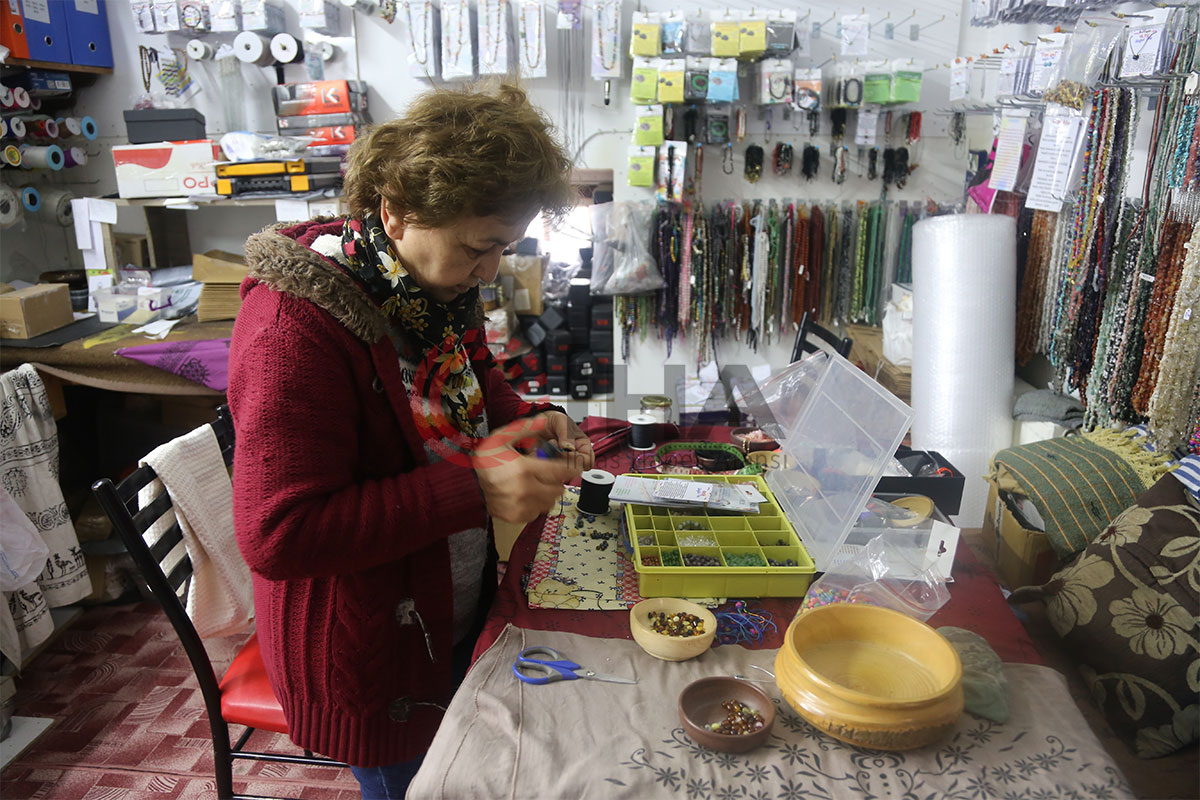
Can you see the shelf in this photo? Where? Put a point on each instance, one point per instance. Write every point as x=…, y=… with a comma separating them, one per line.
x=188, y=203
x=26, y=62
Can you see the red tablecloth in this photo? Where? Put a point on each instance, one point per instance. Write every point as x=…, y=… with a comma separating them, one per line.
x=975, y=599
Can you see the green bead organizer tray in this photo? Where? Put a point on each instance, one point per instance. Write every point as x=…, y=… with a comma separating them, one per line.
x=736, y=535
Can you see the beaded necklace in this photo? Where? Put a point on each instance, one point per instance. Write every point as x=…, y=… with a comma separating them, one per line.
x=1179, y=373
x=423, y=58
x=860, y=262
x=816, y=249
x=685, y=271
x=829, y=280
x=1162, y=299
x=803, y=270
x=538, y=14
x=607, y=30
x=493, y=25
x=790, y=284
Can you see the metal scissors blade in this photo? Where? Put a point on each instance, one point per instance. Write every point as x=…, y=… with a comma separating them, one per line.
x=541, y=665
x=597, y=676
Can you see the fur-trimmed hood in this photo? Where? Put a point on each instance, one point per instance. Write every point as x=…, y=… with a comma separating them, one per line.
x=280, y=256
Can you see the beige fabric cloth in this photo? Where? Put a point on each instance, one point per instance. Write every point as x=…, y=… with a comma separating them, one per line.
x=586, y=739
x=220, y=598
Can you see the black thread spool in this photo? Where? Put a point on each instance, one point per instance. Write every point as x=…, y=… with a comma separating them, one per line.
x=594, y=488
x=641, y=435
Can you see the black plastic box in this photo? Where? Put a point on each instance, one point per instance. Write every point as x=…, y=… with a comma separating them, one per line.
x=580, y=292
x=581, y=338
x=602, y=317
x=150, y=125
x=551, y=319
x=602, y=384
x=557, y=384
x=556, y=365
x=582, y=389
x=944, y=490
x=558, y=342
x=578, y=318
x=604, y=362
x=601, y=341
x=582, y=366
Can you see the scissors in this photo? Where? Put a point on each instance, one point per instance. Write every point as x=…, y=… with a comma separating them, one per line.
x=541, y=665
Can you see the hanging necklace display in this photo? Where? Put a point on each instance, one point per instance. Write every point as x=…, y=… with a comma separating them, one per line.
x=457, y=52
x=531, y=32
x=606, y=40
x=783, y=158
x=387, y=11
x=194, y=16
x=420, y=18
x=727, y=159
x=754, y=163
x=674, y=34
x=493, y=37
x=695, y=80
x=739, y=125
x=811, y=165
x=839, y=165
x=873, y=164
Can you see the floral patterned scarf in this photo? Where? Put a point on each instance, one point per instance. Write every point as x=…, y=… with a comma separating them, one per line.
x=430, y=333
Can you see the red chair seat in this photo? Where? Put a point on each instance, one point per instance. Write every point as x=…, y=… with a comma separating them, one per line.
x=246, y=695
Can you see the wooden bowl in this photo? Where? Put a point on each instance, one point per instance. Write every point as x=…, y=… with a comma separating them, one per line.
x=870, y=676
x=738, y=435
x=700, y=706
x=670, y=648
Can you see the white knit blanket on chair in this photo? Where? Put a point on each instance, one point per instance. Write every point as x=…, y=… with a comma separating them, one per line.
x=220, y=600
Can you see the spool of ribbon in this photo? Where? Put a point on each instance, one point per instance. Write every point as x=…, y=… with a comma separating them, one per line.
x=10, y=207
x=56, y=206
x=48, y=157
x=6, y=98
x=251, y=48
x=89, y=128
x=21, y=98
x=595, y=486
x=16, y=128
x=69, y=126
x=286, y=48
x=35, y=104
x=3, y=127
x=199, y=50
x=641, y=435
x=75, y=157
x=12, y=155
x=31, y=199
x=41, y=127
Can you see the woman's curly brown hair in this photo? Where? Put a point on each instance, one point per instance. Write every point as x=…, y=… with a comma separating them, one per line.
x=461, y=153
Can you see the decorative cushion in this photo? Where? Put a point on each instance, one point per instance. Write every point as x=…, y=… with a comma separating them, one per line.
x=1127, y=608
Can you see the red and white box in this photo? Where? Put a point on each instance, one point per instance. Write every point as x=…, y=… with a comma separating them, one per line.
x=166, y=169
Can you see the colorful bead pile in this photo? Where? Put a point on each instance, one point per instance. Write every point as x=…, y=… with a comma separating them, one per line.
x=651, y=561
x=671, y=558
x=742, y=624
x=697, y=560
x=791, y=562
x=744, y=560
x=646, y=541
x=679, y=624
x=740, y=720
x=822, y=596
x=690, y=525
x=697, y=540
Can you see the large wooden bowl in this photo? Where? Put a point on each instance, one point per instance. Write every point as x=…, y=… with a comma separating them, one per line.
x=670, y=648
x=870, y=676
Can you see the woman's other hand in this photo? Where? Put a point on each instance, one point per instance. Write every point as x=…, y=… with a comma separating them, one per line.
x=563, y=431
x=516, y=487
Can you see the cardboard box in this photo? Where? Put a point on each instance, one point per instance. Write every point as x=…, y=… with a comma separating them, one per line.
x=1024, y=557
x=526, y=272
x=34, y=310
x=145, y=306
x=133, y=250
x=166, y=169
x=219, y=266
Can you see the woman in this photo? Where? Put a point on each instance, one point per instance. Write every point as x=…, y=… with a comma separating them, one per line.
x=375, y=433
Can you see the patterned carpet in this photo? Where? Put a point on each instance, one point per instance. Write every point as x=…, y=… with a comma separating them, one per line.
x=130, y=721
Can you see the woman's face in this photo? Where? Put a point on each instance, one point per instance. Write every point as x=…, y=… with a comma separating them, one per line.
x=452, y=259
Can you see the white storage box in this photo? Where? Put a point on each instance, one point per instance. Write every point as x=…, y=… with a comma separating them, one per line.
x=166, y=169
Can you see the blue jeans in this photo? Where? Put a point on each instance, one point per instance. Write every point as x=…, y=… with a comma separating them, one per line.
x=386, y=783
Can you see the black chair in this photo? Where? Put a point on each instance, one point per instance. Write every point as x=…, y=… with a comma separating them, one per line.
x=813, y=337
x=243, y=696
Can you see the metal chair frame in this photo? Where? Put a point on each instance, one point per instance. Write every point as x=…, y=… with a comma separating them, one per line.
x=838, y=344
x=119, y=502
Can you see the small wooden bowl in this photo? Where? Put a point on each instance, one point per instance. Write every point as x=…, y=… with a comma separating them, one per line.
x=870, y=676
x=738, y=435
x=670, y=648
x=700, y=706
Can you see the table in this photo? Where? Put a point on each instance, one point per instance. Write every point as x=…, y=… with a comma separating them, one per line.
x=89, y=363
x=975, y=602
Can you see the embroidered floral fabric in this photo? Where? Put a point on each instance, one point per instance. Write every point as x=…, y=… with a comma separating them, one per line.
x=1127, y=608
x=584, y=739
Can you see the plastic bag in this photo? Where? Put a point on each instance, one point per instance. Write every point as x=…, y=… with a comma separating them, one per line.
x=1080, y=66
x=881, y=575
x=247, y=146
x=22, y=551
x=634, y=268
x=556, y=282
x=602, y=254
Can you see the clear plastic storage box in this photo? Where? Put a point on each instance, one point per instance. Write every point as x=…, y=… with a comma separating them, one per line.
x=838, y=428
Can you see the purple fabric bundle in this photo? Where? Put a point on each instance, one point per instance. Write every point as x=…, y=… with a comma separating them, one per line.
x=203, y=361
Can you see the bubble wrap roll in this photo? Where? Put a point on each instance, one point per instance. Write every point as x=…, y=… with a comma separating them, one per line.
x=964, y=312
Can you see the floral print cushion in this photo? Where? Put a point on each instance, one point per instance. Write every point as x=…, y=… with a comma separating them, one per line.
x=1128, y=609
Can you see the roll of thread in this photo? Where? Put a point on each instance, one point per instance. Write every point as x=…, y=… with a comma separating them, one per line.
x=35, y=104
x=16, y=128
x=286, y=48
x=74, y=157
x=641, y=435
x=964, y=301
x=12, y=155
x=6, y=98
x=327, y=50
x=56, y=207
x=595, y=486
x=3, y=127
x=251, y=48
x=362, y=6
x=198, y=50
x=31, y=199
x=41, y=128
x=10, y=206
x=48, y=157
x=89, y=128
x=68, y=126
x=21, y=98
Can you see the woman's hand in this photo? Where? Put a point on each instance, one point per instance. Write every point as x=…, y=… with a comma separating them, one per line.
x=517, y=487
x=563, y=431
